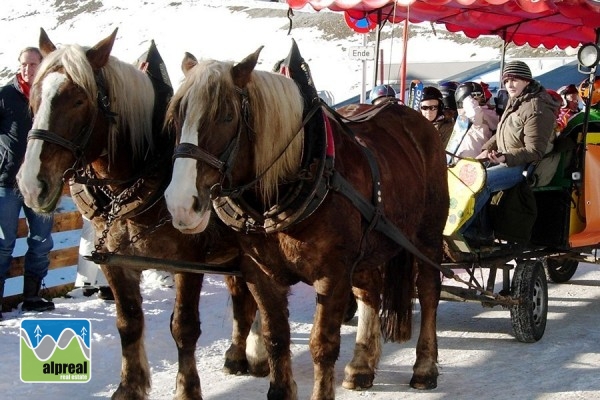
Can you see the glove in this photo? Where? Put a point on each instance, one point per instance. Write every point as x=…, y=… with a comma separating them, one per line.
x=469, y=105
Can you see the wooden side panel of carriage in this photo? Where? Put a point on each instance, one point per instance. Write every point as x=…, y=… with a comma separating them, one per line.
x=60, y=258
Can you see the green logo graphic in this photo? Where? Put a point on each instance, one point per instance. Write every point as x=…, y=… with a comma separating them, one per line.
x=56, y=350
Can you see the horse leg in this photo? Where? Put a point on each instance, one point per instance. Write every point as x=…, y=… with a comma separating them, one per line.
x=185, y=329
x=273, y=307
x=325, y=335
x=135, y=371
x=256, y=352
x=360, y=372
x=247, y=352
x=425, y=370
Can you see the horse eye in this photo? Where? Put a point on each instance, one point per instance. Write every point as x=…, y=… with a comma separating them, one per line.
x=228, y=118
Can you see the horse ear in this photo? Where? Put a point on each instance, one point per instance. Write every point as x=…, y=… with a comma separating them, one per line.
x=189, y=62
x=46, y=45
x=98, y=55
x=242, y=70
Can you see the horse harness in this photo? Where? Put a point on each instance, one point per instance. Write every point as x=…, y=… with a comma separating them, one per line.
x=309, y=190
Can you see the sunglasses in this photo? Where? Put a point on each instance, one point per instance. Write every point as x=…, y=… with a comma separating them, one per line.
x=429, y=108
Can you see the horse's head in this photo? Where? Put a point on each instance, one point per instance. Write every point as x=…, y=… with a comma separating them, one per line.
x=75, y=108
x=237, y=130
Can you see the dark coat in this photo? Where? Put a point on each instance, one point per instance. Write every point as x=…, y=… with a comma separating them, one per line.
x=15, y=123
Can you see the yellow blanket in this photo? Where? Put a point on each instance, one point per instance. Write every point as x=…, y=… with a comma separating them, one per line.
x=465, y=180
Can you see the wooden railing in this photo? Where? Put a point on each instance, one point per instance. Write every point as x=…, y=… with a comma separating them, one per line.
x=59, y=258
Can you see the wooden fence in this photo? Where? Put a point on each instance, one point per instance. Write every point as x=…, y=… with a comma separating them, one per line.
x=60, y=258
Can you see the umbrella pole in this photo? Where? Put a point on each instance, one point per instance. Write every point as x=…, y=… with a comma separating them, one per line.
x=502, y=58
x=403, y=65
x=377, y=40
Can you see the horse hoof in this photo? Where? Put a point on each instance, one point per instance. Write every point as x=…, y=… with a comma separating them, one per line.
x=358, y=382
x=235, y=367
x=423, y=383
x=122, y=394
x=259, y=369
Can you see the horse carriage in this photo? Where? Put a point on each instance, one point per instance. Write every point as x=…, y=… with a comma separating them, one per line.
x=540, y=231
x=365, y=212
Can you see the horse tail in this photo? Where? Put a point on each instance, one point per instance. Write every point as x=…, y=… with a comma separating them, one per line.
x=397, y=299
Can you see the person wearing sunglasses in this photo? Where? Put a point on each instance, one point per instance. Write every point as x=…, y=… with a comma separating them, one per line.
x=432, y=108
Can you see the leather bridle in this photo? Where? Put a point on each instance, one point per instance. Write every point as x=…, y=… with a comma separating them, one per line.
x=79, y=144
x=223, y=163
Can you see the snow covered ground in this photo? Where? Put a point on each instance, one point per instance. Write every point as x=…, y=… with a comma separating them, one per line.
x=478, y=355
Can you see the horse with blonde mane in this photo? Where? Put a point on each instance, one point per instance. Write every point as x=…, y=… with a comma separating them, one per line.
x=99, y=127
x=357, y=205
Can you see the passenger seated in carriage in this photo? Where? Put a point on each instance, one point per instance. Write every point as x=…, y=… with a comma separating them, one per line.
x=570, y=135
x=525, y=134
x=382, y=93
x=471, y=102
x=575, y=123
x=432, y=108
x=569, y=95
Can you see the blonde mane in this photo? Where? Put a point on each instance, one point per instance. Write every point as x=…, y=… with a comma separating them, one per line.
x=276, y=107
x=130, y=92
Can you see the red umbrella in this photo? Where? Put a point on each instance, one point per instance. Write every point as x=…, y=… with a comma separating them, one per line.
x=548, y=23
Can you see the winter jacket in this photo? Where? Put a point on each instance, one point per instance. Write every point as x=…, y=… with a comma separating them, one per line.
x=444, y=126
x=526, y=129
x=15, y=123
x=484, y=122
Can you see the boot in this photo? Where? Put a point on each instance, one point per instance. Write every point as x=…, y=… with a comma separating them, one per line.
x=31, y=293
x=1, y=297
x=105, y=293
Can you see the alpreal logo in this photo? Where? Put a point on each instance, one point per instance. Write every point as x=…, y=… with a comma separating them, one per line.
x=56, y=350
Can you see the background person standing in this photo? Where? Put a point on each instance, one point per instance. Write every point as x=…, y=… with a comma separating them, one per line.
x=15, y=122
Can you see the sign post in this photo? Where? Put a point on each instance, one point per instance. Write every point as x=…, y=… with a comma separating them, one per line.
x=363, y=53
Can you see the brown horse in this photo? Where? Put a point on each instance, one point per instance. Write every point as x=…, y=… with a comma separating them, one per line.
x=94, y=127
x=242, y=137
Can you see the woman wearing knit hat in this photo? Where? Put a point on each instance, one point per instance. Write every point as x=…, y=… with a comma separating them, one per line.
x=525, y=133
x=432, y=108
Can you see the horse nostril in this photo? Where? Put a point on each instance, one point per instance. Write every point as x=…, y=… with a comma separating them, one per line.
x=43, y=188
x=195, y=203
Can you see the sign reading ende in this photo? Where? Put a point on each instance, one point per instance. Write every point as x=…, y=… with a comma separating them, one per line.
x=56, y=350
x=361, y=52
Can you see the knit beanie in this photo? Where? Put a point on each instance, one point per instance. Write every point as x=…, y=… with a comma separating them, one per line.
x=517, y=69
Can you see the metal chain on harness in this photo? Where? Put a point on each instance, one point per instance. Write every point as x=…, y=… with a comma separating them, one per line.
x=112, y=215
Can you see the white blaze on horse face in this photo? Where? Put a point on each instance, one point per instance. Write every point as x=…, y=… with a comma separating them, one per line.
x=181, y=194
x=29, y=184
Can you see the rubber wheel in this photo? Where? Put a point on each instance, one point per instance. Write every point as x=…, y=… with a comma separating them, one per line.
x=530, y=286
x=561, y=271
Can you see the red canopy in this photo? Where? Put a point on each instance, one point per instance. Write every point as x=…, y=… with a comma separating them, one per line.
x=548, y=23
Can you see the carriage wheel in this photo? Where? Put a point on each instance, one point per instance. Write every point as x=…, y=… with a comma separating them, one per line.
x=560, y=271
x=529, y=284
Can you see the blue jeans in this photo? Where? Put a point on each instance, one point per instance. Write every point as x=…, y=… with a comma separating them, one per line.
x=499, y=177
x=39, y=240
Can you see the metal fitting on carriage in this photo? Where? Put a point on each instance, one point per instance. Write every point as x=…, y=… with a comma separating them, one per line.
x=576, y=176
